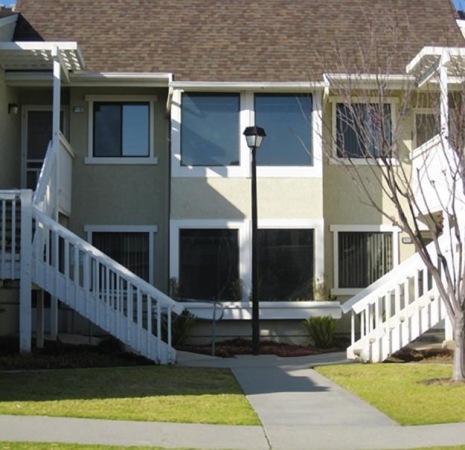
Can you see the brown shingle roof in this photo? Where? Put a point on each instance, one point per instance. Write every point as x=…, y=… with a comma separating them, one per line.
x=245, y=40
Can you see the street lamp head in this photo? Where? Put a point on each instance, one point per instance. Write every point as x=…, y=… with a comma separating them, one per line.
x=254, y=136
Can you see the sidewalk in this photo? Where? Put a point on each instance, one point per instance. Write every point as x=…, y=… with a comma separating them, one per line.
x=299, y=409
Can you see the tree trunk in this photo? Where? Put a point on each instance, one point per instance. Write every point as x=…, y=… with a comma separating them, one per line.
x=459, y=348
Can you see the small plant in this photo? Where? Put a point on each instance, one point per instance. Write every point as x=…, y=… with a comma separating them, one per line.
x=320, y=330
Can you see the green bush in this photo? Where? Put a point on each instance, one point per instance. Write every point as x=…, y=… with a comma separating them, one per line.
x=320, y=330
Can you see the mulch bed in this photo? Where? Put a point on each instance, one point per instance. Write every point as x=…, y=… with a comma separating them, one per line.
x=434, y=355
x=239, y=346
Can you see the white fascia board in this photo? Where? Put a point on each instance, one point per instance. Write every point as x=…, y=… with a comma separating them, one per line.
x=367, y=80
x=140, y=79
x=292, y=86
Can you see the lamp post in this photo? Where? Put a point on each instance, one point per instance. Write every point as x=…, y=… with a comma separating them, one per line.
x=254, y=137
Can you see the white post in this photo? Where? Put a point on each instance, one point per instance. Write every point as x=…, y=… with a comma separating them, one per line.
x=56, y=186
x=25, y=283
x=40, y=320
x=444, y=106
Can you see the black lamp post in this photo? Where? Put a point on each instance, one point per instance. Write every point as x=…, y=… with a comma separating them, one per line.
x=254, y=137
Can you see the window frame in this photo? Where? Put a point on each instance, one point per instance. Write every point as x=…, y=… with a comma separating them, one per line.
x=338, y=160
x=247, y=118
x=336, y=229
x=177, y=225
x=125, y=99
x=147, y=229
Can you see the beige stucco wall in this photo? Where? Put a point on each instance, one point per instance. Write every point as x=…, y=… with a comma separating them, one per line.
x=10, y=126
x=219, y=198
x=123, y=194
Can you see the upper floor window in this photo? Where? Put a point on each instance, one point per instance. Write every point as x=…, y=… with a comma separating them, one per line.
x=210, y=129
x=363, y=130
x=121, y=129
x=287, y=121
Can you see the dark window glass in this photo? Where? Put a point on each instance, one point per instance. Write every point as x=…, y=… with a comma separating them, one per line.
x=427, y=126
x=210, y=130
x=129, y=249
x=288, y=126
x=363, y=258
x=209, y=264
x=361, y=132
x=121, y=129
x=285, y=264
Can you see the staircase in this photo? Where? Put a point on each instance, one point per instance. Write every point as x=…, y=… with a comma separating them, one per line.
x=78, y=274
x=395, y=310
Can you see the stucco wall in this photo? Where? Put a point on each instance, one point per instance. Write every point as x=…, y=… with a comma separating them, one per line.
x=219, y=198
x=123, y=194
x=10, y=126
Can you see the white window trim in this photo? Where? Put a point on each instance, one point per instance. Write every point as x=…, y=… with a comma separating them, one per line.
x=335, y=229
x=336, y=160
x=149, y=229
x=91, y=159
x=243, y=170
x=245, y=242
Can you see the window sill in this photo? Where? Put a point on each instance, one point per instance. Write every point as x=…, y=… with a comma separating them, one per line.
x=244, y=172
x=121, y=161
x=346, y=291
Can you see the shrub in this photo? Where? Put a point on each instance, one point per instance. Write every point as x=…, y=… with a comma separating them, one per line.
x=320, y=330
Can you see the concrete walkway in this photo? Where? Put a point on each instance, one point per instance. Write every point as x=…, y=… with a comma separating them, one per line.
x=298, y=408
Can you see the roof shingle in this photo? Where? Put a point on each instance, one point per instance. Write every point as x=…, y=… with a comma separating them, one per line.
x=244, y=40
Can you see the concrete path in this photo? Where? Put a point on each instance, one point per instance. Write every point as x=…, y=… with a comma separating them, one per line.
x=299, y=409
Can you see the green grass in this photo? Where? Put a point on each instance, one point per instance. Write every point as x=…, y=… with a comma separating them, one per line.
x=147, y=393
x=60, y=446
x=399, y=390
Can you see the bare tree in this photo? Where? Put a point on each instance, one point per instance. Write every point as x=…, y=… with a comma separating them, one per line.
x=426, y=188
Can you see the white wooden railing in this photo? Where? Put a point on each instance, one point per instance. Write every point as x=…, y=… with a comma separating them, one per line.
x=394, y=310
x=102, y=290
x=10, y=217
x=53, y=191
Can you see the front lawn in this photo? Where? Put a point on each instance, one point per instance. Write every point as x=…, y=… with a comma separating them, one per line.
x=411, y=394
x=146, y=393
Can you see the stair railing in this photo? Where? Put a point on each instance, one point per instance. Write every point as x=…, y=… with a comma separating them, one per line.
x=10, y=251
x=102, y=290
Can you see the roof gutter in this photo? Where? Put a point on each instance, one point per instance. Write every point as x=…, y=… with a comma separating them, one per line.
x=208, y=86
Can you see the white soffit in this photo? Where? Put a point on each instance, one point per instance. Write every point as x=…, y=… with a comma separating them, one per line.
x=37, y=56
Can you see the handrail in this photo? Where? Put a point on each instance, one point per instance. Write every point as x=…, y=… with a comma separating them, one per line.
x=119, y=269
x=45, y=178
x=388, y=281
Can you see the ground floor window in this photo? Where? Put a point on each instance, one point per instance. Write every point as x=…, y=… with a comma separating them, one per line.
x=361, y=257
x=285, y=264
x=209, y=264
x=129, y=249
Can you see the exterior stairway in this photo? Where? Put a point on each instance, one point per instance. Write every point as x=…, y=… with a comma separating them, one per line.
x=394, y=311
x=36, y=248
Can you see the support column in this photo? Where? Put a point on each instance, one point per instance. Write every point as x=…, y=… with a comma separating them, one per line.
x=40, y=320
x=56, y=148
x=25, y=283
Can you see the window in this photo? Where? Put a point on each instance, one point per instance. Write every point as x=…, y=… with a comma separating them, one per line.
x=121, y=129
x=363, y=257
x=209, y=264
x=285, y=264
x=287, y=121
x=129, y=249
x=363, y=130
x=426, y=126
x=210, y=130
